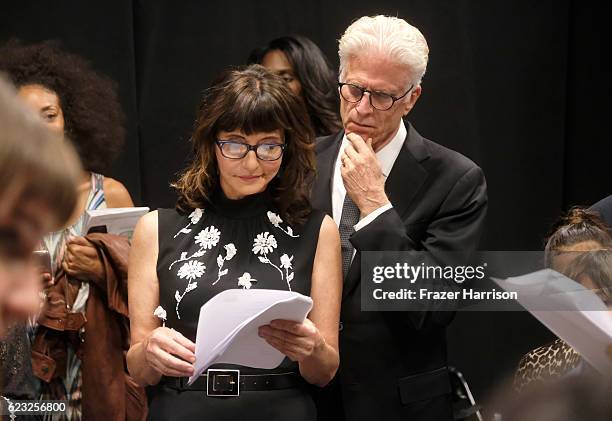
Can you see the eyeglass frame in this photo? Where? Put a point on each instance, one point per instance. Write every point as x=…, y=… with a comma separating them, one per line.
x=364, y=90
x=250, y=148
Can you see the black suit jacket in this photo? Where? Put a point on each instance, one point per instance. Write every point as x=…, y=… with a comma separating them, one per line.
x=393, y=364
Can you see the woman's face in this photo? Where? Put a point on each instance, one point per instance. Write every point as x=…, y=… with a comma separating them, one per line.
x=249, y=175
x=44, y=103
x=276, y=61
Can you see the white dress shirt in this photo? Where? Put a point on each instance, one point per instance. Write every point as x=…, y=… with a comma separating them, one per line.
x=386, y=158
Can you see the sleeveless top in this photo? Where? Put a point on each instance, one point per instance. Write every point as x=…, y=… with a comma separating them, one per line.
x=68, y=387
x=230, y=244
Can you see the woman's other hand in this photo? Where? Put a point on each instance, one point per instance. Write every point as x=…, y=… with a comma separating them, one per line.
x=169, y=352
x=298, y=341
x=81, y=260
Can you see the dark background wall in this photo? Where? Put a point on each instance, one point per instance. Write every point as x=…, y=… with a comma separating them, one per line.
x=518, y=86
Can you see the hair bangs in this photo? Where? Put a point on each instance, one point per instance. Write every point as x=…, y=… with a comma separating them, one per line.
x=254, y=111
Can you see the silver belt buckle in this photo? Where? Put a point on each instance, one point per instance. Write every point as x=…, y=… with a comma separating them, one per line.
x=222, y=382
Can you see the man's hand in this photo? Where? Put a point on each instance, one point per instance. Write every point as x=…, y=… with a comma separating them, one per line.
x=362, y=176
x=81, y=260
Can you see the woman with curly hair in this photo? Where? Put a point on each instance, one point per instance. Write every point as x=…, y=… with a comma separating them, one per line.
x=243, y=220
x=304, y=68
x=84, y=297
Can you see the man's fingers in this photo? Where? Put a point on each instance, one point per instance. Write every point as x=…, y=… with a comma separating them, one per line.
x=357, y=142
x=78, y=240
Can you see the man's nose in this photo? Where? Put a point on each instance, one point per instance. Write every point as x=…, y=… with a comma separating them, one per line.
x=364, y=106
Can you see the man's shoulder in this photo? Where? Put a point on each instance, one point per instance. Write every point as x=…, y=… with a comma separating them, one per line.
x=323, y=143
x=436, y=157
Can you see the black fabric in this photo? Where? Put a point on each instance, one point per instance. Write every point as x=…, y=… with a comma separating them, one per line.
x=189, y=241
x=520, y=87
x=439, y=200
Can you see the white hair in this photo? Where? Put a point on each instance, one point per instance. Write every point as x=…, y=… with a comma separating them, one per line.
x=392, y=37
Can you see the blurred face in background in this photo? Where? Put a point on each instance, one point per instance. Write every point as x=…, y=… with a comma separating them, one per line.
x=277, y=62
x=45, y=103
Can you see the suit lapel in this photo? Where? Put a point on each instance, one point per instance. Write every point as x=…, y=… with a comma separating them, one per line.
x=407, y=175
x=327, y=150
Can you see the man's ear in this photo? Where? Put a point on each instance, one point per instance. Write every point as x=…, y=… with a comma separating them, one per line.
x=413, y=98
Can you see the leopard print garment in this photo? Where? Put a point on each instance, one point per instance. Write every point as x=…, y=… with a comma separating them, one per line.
x=545, y=363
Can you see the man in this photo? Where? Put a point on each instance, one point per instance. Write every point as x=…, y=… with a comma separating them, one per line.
x=388, y=188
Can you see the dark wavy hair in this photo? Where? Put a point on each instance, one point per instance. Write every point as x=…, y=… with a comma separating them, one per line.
x=318, y=80
x=251, y=99
x=93, y=118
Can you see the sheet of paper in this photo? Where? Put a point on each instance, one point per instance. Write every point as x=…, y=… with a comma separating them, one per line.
x=572, y=312
x=120, y=221
x=228, y=327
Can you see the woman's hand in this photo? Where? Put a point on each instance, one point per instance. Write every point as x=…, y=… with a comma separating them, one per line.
x=169, y=353
x=298, y=341
x=81, y=260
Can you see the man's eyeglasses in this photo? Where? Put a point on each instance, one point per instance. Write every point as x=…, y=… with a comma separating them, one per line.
x=378, y=100
x=237, y=150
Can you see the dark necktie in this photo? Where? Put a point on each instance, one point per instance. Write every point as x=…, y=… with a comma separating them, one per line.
x=349, y=217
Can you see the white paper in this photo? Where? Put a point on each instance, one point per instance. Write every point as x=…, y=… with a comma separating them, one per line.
x=571, y=311
x=229, y=322
x=120, y=221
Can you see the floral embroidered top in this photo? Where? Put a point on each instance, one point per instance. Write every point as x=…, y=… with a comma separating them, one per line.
x=230, y=244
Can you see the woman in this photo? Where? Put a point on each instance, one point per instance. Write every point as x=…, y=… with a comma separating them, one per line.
x=243, y=220
x=304, y=68
x=579, y=247
x=76, y=102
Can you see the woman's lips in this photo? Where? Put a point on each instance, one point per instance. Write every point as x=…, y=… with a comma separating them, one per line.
x=249, y=178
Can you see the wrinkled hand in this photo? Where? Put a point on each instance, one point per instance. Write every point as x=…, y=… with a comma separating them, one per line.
x=169, y=352
x=297, y=341
x=81, y=260
x=362, y=175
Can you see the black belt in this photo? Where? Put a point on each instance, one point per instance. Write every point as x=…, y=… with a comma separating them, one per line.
x=231, y=382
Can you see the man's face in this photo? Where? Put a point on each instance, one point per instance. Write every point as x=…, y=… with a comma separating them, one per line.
x=376, y=73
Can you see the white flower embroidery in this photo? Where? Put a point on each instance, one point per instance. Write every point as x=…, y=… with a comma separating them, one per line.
x=191, y=270
x=264, y=243
x=160, y=313
x=245, y=281
x=208, y=237
x=286, y=264
x=194, y=217
x=286, y=261
x=230, y=251
x=276, y=221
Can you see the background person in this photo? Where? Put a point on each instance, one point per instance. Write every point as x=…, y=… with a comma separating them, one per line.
x=89, y=289
x=303, y=66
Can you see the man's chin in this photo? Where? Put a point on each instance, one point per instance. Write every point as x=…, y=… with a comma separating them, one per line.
x=363, y=131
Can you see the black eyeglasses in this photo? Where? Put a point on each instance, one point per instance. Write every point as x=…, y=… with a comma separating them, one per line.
x=232, y=149
x=379, y=100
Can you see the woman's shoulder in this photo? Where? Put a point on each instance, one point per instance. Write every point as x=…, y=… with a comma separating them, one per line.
x=116, y=194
